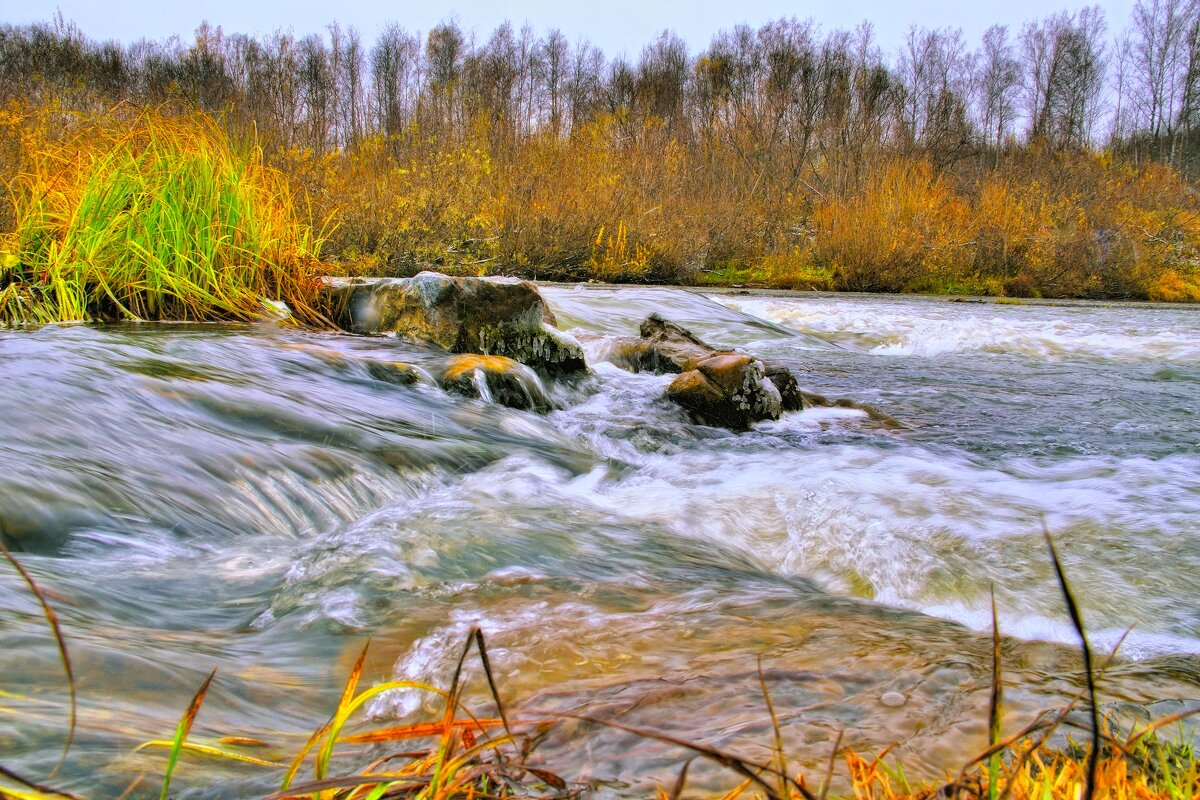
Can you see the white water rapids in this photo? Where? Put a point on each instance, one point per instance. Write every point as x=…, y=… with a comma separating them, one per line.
x=252, y=499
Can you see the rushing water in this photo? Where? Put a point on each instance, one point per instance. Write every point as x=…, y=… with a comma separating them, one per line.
x=254, y=499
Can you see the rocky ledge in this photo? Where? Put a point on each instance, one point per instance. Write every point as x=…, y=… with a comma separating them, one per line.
x=484, y=316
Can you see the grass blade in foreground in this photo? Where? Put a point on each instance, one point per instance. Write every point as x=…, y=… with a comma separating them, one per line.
x=994, y=706
x=63, y=655
x=1086, y=649
x=181, y=732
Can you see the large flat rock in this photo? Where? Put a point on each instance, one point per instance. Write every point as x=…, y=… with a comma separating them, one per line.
x=485, y=316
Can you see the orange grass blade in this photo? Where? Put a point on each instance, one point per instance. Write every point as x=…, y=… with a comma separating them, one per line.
x=347, y=695
x=336, y=725
x=242, y=741
x=417, y=731
x=349, y=782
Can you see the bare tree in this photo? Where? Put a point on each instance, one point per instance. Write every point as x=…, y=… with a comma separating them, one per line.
x=585, y=91
x=555, y=56
x=996, y=82
x=395, y=71
x=1064, y=72
x=662, y=73
x=1121, y=126
x=445, y=52
x=934, y=70
x=1158, y=66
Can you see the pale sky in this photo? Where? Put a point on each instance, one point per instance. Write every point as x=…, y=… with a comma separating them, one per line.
x=616, y=26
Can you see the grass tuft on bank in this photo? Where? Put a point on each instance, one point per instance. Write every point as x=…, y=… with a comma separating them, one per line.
x=137, y=215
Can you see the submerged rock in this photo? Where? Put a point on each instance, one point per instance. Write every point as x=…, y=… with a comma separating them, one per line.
x=496, y=379
x=397, y=372
x=727, y=389
x=812, y=400
x=487, y=316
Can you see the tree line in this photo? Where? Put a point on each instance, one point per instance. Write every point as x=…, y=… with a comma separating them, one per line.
x=787, y=88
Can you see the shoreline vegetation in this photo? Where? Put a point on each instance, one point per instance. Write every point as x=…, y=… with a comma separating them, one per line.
x=148, y=216
x=1046, y=162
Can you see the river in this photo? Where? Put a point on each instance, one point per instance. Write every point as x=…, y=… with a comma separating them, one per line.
x=252, y=499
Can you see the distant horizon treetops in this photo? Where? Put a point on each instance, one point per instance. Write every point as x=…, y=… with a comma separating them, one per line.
x=1057, y=80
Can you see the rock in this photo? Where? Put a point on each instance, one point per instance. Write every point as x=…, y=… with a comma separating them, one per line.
x=727, y=389
x=812, y=400
x=496, y=379
x=667, y=347
x=487, y=316
x=397, y=372
x=785, y=381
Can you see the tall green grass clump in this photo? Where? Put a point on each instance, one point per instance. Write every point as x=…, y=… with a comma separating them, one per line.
x=141, y=215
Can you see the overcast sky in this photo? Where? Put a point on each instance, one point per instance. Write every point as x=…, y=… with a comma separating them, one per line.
x=616, y=26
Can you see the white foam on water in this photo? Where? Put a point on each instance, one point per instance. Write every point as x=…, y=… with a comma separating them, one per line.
x=915, y=528
x=1134, y=644
x=933, y=328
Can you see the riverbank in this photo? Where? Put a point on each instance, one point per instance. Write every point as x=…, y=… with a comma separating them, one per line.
x=95, y=228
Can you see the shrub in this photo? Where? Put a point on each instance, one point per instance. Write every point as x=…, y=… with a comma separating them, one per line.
x=128, y=215
x=906, y=225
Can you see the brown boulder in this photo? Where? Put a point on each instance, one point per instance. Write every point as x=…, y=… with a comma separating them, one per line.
x=727, y=389
x=667, y=347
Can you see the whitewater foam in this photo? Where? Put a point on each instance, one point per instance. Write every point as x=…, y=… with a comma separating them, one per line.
x=933, y=328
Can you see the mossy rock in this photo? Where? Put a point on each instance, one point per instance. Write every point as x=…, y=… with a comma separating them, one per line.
x=497, y=379
x=486, y=316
